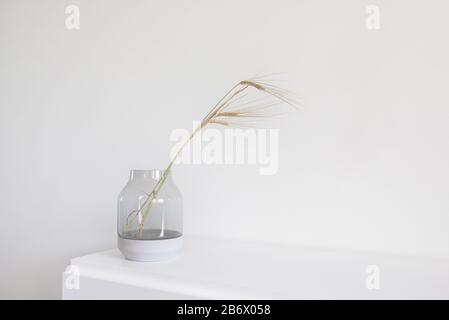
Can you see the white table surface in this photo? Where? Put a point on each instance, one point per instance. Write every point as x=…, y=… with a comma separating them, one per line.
x=222, y=269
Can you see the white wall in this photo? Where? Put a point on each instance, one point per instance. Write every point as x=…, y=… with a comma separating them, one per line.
x=363, y=166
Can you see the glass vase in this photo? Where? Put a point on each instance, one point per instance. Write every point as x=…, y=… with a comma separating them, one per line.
x=150, y=216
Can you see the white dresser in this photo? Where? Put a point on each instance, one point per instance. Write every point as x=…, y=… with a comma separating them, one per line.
x=221, y=269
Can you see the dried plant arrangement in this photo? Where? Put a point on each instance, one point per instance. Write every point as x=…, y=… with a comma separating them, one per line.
x=234, y=109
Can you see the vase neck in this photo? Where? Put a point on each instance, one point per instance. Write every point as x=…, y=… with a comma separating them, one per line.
x=154, y=174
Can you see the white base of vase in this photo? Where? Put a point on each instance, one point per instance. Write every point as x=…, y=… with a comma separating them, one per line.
x=150, y=250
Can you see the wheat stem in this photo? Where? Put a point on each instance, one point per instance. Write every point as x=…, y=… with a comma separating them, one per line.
x=215, y=116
